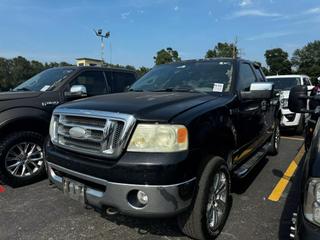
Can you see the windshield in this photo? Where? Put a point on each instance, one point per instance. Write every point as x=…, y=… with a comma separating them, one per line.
x=44, y=80
x=210, y=76
x=285, y=83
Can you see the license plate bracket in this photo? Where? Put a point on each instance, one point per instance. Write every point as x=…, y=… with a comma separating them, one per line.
x=74, y=190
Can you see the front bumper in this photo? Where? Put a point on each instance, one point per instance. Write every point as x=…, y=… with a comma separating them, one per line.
x=164, y=200
x=305, y=229
x=289, y=119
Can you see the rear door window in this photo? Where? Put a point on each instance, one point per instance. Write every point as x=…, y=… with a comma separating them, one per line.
x=120, y=81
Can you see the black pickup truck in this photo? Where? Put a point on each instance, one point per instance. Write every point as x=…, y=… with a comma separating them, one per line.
x=307, y=222
x=170, y=145
x=25, y=114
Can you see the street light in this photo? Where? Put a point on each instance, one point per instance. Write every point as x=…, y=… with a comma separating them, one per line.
x=102, y=36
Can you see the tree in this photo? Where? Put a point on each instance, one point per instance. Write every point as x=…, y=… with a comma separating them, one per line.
x=166, y=56
x=307, y=60
x=142, y=71
x=16, y=70
x=223, y=50
x=278, y=61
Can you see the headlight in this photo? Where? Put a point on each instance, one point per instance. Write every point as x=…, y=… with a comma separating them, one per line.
x=312, y=202
x=284, y=103
x=53, y=128
x=159, y=138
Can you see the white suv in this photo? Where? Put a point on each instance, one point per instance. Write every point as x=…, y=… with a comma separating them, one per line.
x=283, y=83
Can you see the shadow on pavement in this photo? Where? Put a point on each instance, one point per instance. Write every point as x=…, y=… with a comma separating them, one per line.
x=291, y=204
x=160, y=227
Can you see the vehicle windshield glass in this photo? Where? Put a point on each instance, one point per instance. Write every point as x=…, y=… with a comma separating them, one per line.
x=285, y=83
x=205, y=76
x=44, y=80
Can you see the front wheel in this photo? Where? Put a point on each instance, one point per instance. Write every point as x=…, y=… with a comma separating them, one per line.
x=21, y=158
x=211, y=203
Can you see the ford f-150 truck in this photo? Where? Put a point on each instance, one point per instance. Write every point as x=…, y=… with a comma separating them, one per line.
x=307, y=221
x=170, y=146
x=25, y=114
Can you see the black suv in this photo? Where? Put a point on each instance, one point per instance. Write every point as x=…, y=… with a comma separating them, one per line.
x=308, y=218
x=170, y=145
x=25, y=113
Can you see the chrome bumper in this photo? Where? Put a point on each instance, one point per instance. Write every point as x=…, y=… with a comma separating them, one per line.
x=164, y=200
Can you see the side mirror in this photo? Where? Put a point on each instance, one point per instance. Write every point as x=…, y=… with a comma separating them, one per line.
x=298, y=99
x=260, y=90
x=76, y=91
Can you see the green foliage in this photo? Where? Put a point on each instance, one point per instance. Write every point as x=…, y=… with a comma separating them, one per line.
x=16, y=70
x=223, y=50
x=307, y=60
x=166, y=56
x=278, y=62
x=142, y=71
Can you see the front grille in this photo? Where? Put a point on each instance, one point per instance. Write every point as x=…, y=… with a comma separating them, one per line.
x=92, y=132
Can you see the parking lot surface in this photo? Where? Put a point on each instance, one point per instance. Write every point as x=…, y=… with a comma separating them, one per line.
x=40, y=211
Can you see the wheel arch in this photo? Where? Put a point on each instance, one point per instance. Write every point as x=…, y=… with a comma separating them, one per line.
x=24, y=119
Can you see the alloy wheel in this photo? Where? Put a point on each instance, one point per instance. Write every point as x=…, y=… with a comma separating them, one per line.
x=24, y=159
x=217, y=201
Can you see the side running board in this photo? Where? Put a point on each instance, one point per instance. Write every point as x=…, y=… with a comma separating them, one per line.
x=245, y=168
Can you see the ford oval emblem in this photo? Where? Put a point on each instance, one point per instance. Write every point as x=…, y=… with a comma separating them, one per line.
x=77, y=132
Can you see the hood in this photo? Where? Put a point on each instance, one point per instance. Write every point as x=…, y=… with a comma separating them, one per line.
x=18, y=95
x=148, y=106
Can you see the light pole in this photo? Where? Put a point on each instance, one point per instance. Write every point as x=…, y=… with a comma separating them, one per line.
x=102, y=36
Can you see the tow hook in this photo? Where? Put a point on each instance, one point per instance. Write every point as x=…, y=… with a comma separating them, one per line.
x=111, y=211
x=293, y=226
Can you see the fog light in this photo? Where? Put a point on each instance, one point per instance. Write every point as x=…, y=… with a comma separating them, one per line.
x=142, y=197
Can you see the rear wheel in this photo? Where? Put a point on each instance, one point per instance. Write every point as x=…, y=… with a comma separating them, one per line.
x=275, y=140
x=21, y=158
x=211, y=203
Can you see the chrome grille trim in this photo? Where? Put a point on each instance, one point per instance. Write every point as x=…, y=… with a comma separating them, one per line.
x=104, y=140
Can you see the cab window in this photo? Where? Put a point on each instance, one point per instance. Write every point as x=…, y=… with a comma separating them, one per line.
x=94, y=82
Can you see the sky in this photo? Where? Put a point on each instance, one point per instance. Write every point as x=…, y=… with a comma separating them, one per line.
x=59, y=30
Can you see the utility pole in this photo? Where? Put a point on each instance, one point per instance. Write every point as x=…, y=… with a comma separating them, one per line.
x=102, y=36
x=234, y=52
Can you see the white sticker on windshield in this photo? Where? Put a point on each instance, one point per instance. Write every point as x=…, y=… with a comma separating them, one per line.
x=45, y=88
x=217, y=87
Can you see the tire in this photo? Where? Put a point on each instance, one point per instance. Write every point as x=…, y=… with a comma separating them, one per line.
x=195, y=222
x=21, y=158
x=300, y=127
x=275, y=140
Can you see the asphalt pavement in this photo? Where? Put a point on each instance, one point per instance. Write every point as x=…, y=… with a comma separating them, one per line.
x=40, y=211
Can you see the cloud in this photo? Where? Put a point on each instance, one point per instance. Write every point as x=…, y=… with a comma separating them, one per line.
x=125, y=15
x=313, y=10
x=210, y=13
x=176, y=8
x=254, y=13
x=245, y=3
x=269, y=35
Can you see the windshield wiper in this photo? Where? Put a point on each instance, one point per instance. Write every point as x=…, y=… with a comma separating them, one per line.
x=135, y=90
x=176, y=90
x=22, y=89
